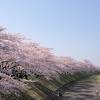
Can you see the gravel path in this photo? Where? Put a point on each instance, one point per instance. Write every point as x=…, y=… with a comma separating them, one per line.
x=84, y=90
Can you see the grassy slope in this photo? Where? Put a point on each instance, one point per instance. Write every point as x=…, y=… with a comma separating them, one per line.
x=45, y=88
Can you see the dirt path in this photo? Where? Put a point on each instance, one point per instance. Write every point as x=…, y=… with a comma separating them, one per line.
x=84, y=90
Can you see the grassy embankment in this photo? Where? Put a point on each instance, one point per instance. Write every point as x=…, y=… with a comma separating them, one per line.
x=44, y=88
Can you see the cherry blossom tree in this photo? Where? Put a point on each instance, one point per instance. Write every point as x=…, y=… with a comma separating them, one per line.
x=35, y=59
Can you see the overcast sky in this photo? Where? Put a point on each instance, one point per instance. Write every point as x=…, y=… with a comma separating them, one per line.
x=71, y=27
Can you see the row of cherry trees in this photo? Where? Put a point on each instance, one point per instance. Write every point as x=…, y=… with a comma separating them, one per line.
x=35, y=59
